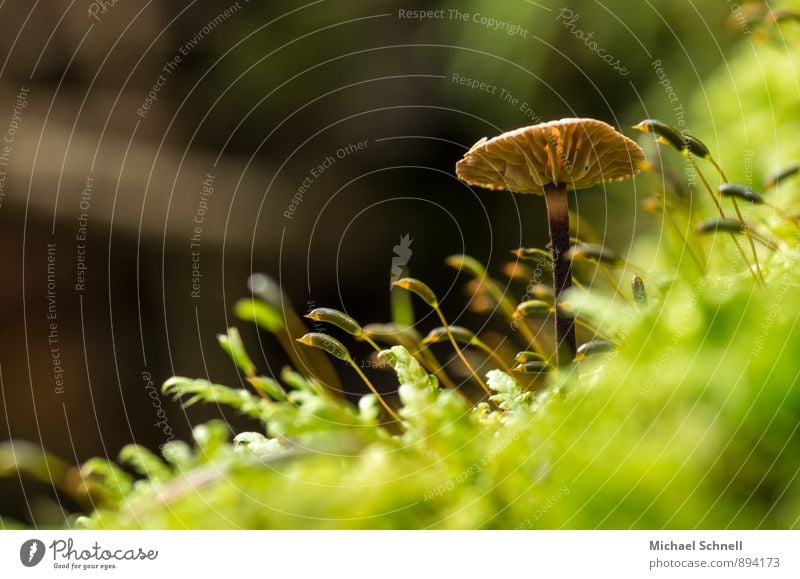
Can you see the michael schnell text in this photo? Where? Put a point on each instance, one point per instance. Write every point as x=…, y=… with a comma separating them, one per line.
x=695, y=546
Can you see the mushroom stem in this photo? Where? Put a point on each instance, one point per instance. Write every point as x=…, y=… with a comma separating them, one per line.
x=558, y=217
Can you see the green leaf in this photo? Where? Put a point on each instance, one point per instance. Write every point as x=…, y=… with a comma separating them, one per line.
x=145, y=462
x=233, y=346
x=257, y=443
x=510, y=395
x=254, y=310
x=408, y=370
x=368, y=408
x=179, y=454
x=205, y=391
x=268, y=386
x=104, y=481
x=24, y=457
x=301, y=383
x=211, y=438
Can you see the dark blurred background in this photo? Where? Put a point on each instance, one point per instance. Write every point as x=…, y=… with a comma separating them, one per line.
x=129, y=122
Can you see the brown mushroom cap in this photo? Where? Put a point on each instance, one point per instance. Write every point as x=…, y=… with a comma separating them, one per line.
x=574, y=153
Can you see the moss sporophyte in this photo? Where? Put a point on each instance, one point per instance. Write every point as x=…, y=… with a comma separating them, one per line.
x=551, y=159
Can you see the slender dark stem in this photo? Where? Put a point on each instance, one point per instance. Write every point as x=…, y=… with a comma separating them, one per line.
x=558, y=216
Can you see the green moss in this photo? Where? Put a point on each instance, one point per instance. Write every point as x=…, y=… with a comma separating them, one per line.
x=689, y=424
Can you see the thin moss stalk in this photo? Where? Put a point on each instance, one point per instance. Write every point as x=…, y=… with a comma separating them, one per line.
x=374, y=390
x=757, y=274
x=427, y=295
x=458, y=350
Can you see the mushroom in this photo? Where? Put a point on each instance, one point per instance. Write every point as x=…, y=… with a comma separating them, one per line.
x=550, y=159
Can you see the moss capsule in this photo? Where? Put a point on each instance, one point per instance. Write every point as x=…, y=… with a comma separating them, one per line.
x=593, y=347
x=723, y=224
x=670, y=134
x=419, y=288
x=594, y=253
x=533, y=367
x=782, y=175
x=540, y=257
x=740, y=192
x=542, y=292
x=528, y=356
x=638, y=289
x=461, y=334
x=695, y=146
x=532, y=308
x=324, y=342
